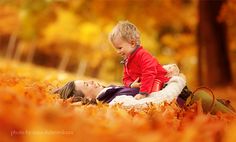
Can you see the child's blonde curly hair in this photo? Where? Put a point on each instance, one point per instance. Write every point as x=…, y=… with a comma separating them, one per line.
x=127, y=31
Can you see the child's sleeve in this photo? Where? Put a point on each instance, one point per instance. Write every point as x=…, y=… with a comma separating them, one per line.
x=126, y=79
x=149, y=73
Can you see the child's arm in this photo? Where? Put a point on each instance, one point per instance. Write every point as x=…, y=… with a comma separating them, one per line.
x=127, y=81
x=149, y=73
x=135, y=84
x=139, y=96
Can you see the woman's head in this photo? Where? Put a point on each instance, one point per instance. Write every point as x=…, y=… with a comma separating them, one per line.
x=90, y=89
x=83, y=91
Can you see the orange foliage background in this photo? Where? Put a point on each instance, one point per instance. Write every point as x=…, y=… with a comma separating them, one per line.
x=30, y=112
x=71, y=36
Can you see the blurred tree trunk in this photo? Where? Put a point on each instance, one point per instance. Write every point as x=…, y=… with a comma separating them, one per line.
x=82, y=67
x=64, y=61
x=19, y=51
x=214, y=65
x=32, y=48
x=11, y=46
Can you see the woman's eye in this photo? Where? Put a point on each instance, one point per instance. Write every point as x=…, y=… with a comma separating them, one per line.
x=85, y=83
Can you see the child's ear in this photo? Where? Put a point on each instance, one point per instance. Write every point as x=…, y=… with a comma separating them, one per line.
x=133, y=43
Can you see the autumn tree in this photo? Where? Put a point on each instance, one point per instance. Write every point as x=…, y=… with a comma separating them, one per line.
x=214, y=67
x=72, y=35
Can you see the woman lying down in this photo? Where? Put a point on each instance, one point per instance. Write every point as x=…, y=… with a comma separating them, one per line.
x=91, y=92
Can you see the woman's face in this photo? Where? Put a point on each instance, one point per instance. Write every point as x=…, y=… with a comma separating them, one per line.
x=89, y=88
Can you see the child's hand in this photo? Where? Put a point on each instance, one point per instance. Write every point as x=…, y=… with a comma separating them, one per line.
x=139, y=96
x=136, y=84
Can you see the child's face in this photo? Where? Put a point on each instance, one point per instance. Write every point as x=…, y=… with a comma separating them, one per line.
x=123, y=47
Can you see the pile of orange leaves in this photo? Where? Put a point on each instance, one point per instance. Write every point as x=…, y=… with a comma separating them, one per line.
x=30, y=112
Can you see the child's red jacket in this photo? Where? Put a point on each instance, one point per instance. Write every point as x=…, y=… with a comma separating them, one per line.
x=143, y=65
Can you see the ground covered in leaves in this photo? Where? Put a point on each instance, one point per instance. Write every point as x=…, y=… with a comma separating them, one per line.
x=30, y=112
